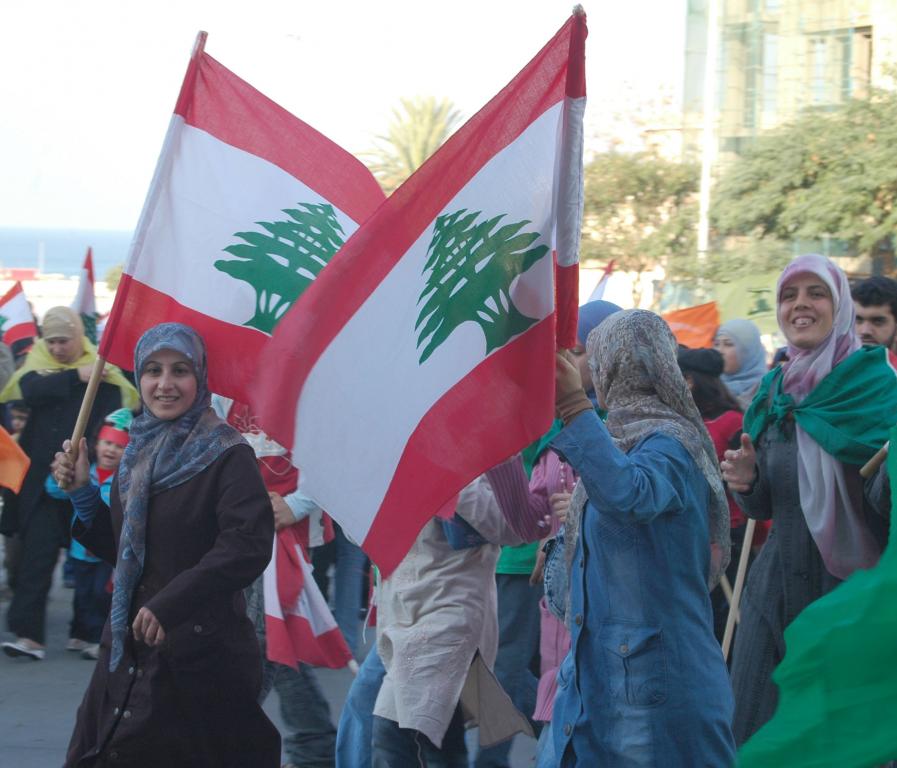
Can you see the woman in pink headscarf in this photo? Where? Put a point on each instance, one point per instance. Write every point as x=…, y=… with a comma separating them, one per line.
x=813, y=423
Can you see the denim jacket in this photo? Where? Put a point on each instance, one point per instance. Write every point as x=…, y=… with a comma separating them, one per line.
x=644, y=683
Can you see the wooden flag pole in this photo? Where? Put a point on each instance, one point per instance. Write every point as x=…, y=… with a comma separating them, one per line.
x=739, y=585
x=871, y=467
x=93, y=384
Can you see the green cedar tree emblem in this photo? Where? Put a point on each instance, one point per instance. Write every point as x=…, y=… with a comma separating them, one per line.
x=472, y=263
x=281, y=264
x=3, y=321
x=90, y=327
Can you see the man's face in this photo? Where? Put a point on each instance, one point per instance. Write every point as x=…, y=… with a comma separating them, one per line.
x=876, y=325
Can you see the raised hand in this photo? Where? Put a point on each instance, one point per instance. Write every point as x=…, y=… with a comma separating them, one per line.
x=739, y=467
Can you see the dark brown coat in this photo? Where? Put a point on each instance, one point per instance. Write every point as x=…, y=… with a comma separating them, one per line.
x=193, y=701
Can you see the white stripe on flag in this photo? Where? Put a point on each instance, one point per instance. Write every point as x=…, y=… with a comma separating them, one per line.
x=311, y=605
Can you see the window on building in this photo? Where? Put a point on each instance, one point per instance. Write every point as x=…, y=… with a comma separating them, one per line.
x=770, y=74
x=819, y=84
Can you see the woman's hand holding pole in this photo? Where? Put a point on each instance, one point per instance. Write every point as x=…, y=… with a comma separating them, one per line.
x=70, y=469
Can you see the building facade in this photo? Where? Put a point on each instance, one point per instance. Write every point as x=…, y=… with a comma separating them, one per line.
x=777, y=58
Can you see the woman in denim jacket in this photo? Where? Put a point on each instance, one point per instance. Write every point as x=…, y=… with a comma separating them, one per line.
x=644, y=683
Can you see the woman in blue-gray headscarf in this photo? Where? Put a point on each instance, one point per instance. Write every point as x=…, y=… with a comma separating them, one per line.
x=744, y=358
x=189, y=526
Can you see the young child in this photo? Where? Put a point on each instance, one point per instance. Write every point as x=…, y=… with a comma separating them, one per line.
x=92, y=576
x=18, y=414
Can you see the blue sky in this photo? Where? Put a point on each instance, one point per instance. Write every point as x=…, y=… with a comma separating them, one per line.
x=88, y=85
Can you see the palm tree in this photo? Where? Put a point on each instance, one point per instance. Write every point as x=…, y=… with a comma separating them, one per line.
x=416, y=131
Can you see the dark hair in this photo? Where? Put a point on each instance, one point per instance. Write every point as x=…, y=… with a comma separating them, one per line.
x=876, y=290
x=704, y=366
x=711, y=395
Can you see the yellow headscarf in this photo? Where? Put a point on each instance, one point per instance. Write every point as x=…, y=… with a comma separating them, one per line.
x=39, y=359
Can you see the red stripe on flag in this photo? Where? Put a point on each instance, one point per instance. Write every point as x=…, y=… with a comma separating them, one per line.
x=461, y=453
x=19, y=332
x=88, y=265
x=232, y=349
x=215, y=100
x=566, y=281
x=286, y=636
x=376, y=247
x=576, y=72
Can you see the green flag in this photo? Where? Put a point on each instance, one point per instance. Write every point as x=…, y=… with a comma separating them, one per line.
x=848, y=413
x=838, y=681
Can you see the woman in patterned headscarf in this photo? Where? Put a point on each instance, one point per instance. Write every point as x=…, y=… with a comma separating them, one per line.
x=190, y=525
x=645, y=682
x=814, y=422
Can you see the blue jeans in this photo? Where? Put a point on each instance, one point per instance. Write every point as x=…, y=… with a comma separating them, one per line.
x=91, y=601
x=311, y=738
x=353, y=735
x=395, y=747
x=348, y=583
x=518, y=644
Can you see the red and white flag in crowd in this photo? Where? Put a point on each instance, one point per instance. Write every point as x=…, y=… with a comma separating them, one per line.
x=424, y=353
x=598, y=292
x=248, y=204
x=85, y=303
x=16, y=320
x=298, y=623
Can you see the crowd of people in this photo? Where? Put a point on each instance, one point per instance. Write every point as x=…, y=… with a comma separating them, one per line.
x=578, y=593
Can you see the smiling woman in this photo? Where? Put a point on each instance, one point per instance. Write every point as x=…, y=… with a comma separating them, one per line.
x=168, y=384
x=815, y=421
x=806, y=311
x=189, y=527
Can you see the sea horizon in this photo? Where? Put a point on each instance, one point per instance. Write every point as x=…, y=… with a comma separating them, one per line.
x=62, y=250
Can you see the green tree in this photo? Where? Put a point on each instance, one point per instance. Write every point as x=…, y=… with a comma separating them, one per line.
x=640, y=210
x=113, y=277
x=828, y=174
x=416, y=131
x=471, y=266
x=281, y=264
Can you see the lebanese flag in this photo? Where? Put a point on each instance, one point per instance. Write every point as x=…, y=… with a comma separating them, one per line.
x=85, y=303
x=424, y=354
x=598, y=292
x=16, y=320
x=298, y=623
x=247, y=206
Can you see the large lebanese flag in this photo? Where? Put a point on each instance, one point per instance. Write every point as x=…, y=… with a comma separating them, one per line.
x=247, y=205
x=298, y=623
x=16, y=320
x=427, y=346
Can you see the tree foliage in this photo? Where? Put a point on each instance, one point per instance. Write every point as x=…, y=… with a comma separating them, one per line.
x=113, y=277
x=825, y=175
x=416, y=131
x=640, y=210
x=471, y=266
x=281, y=264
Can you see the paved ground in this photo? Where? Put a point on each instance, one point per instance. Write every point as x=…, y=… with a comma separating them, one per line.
x=38, y=700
